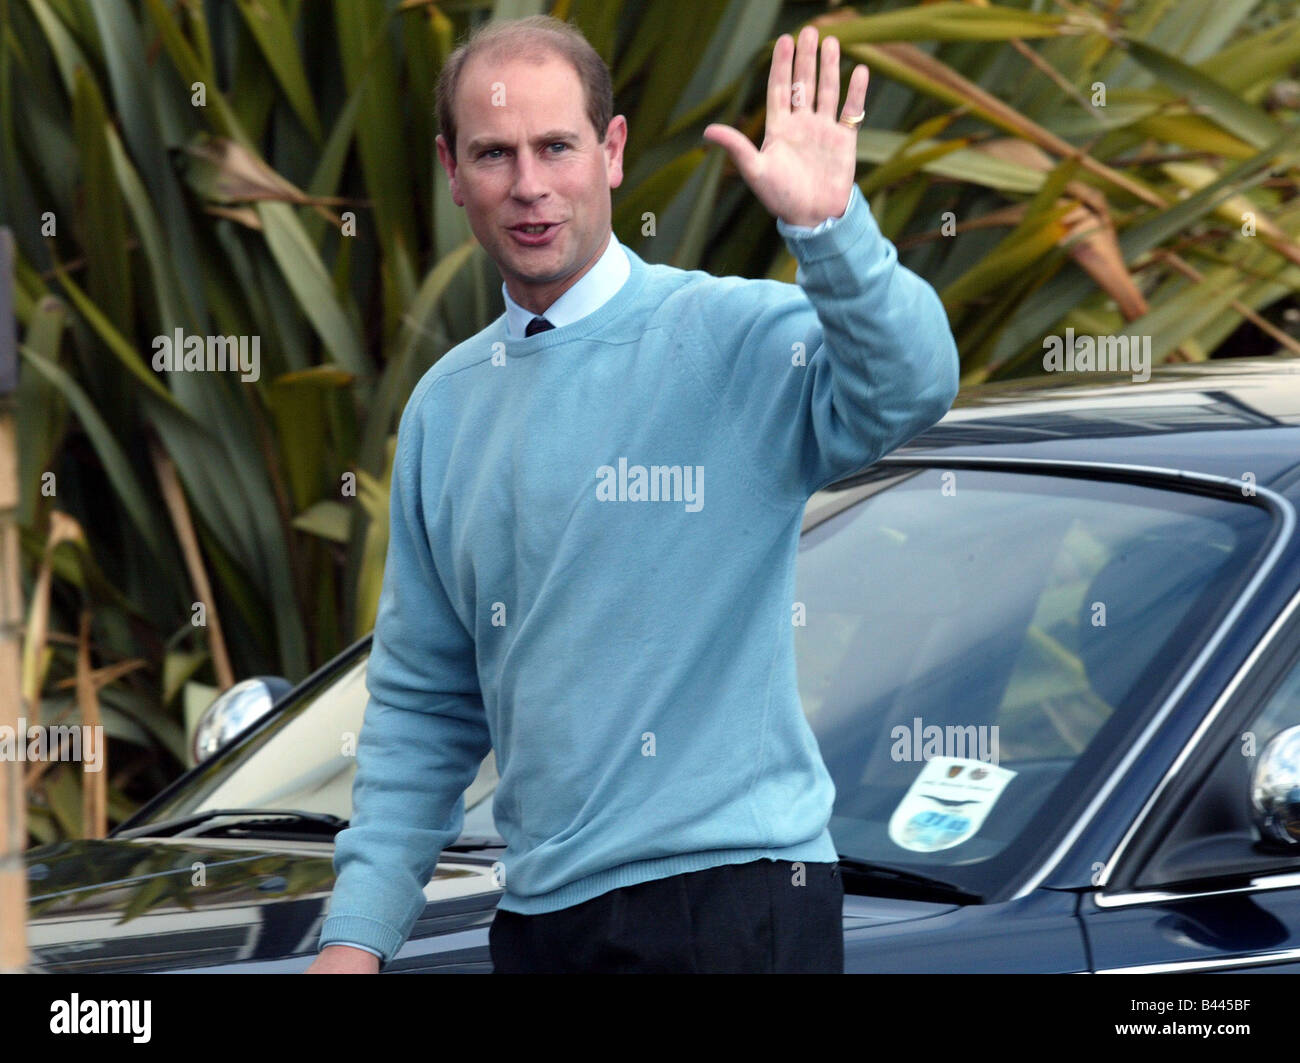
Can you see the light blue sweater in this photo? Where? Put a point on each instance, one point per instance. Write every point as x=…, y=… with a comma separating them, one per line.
x=591, y=570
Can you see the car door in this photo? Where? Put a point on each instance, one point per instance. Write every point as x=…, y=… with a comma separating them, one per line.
x=1194, y=889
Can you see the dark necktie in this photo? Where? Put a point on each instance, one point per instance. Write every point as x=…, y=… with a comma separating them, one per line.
x=538, y=324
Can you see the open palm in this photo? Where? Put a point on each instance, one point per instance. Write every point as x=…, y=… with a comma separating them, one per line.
x=805, y=168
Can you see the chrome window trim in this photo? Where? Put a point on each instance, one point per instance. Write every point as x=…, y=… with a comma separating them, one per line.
x=1274, y=880
x=1262, y=959
x=1277, y=503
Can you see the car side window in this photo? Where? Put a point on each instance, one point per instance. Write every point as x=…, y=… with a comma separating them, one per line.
x=1214, y=834
x=1280, y=711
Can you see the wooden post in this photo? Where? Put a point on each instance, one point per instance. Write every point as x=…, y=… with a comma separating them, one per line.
x=13, y=817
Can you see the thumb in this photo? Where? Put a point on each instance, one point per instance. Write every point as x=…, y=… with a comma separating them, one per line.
x=734, y=143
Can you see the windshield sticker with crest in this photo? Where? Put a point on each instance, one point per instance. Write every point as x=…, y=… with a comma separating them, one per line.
x=947, y=803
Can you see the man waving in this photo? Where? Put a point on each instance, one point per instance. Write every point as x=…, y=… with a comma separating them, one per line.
x=561, y=588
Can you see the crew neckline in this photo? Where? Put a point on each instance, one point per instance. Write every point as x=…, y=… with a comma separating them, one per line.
x=584, y=326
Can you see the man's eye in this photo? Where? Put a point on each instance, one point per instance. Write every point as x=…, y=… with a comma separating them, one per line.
x=559, y=144
x=490, y=153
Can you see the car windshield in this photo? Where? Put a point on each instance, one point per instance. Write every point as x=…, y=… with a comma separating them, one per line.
x=973, y=646
x=978, y=644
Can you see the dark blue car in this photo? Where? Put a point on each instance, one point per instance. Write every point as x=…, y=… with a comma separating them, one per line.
x=1050, y=650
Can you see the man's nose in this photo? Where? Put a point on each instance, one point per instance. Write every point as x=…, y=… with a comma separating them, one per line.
x=529, y=182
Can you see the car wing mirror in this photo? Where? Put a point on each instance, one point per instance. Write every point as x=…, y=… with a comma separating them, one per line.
x=235, y=711
x=1275, y=789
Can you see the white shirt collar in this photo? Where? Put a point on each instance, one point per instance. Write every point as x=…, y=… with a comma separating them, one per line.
x=592, y=290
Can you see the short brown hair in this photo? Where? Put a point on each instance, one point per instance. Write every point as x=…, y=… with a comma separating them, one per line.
x=535, y=39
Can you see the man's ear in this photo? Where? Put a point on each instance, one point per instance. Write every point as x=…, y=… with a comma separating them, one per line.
x=615, y=142
x=449, y=164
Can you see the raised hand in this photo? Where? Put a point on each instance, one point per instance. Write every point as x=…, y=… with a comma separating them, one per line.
x=805, y=168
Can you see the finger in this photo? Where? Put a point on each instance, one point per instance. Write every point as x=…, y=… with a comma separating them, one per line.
x=734, y=143
x=805, y=70
x=778, y=78
x=855, y=100
x=828, y=83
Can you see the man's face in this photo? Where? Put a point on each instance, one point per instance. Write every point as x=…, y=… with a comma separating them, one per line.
x=527, y=153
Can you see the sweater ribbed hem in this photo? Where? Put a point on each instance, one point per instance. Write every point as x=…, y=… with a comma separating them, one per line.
x=358, y=929
x=384, y=939
x=819, y=850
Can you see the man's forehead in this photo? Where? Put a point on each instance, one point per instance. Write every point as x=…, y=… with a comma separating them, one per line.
x=499, y=98
x=528, y=75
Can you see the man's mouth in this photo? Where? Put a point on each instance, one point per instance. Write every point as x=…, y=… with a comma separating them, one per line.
x=534, y=234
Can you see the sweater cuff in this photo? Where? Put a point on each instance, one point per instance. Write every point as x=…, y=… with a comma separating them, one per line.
x=358, y=945
x=786, y=229
x=361, y=930
x=856, y=227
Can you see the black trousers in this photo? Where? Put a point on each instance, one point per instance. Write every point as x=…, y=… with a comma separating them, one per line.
x=764, y=917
